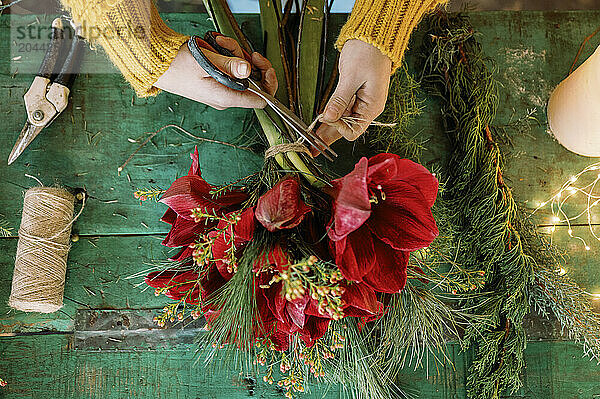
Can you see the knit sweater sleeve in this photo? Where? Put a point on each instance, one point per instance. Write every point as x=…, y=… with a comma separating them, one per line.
x=386, y=24
x=133, y=35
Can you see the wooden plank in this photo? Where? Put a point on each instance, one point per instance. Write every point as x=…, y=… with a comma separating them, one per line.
x=47, y=366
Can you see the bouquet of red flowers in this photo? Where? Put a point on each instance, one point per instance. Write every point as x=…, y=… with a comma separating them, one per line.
x=273, y=270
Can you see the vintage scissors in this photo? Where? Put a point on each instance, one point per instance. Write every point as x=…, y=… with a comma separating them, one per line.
x=195, y=44
x=48, y=95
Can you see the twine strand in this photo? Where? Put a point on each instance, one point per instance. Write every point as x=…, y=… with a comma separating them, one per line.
x=349, y=121
x=285, y=147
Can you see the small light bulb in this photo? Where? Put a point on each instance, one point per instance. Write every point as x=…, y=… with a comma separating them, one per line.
x=587, y=248
x=572, y=190
x=555, y=219
x=543, y=204
x=570, y=232
x=562, y=271
x=573, y=179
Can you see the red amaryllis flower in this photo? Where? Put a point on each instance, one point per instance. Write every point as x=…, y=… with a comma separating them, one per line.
x=281, y=317
x=184, y=195
x=361, y=301
x=281, y=207
x=381, y=212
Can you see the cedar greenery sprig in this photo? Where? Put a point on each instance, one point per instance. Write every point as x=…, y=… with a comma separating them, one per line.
x=316, y=278
x=555, y=294
x=148, y=194
x=486, y=213
x=405, y=102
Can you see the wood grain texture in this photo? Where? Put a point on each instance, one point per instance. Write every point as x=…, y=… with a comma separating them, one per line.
x=48, y=366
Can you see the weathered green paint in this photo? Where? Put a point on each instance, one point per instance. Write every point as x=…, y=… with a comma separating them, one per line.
x=48, y=367
x=533, y=52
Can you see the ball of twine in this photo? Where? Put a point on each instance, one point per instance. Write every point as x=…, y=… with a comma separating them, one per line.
x=44, y=242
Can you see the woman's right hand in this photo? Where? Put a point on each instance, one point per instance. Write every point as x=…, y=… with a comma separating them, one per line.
x=186, y=78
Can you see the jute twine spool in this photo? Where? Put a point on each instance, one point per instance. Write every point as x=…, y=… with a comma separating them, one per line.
x=44, y=242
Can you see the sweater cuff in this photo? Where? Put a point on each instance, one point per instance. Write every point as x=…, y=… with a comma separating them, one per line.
x=133, y=35
x=385, y=24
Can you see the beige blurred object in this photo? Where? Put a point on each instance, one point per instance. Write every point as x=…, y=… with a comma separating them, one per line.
x=574, y=109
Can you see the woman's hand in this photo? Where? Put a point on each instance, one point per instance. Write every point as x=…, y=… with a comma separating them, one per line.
x=361, y=92
x=185, y=77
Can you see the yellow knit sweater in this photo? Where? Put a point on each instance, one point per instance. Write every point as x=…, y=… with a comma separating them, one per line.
x=386, y=24
x=142, y=46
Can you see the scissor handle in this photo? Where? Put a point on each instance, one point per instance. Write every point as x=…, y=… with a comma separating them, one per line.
x=72, y=63
x=53, y=52
x=210, y=37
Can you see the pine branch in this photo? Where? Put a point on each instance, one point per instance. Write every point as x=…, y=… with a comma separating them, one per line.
x=485, y=212
x=357, y=368
x=404, y=104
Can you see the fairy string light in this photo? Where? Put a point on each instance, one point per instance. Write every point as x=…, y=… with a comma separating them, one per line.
x=576, y=186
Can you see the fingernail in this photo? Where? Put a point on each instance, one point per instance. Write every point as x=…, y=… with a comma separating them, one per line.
x=243, y=69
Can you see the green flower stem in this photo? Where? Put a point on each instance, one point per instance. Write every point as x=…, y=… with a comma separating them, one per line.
x=225, y=23
x=274, y=137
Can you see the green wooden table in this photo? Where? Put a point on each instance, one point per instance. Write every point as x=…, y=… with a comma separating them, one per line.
x=55, y=356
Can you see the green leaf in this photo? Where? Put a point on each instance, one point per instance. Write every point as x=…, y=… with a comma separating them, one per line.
x=225, y=22
x=309, y=56
x=275, y=51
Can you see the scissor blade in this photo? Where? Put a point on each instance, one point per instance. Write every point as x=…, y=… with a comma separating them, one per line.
x=27, y=135
x=293, y=121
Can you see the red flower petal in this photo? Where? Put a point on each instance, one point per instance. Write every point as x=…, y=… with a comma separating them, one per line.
x=403, y=220
x=273, y=299
x=186, y=252
x=184, y=232
x=242, y=232
x=281, y=207
x=195, y=168
x=231, y=198
x=389, y=273
x=160, y=279
x=351, y=207
x=179, y=281
x=193, y=298
x=275, y=258
x=295, y=309
x=355, y=255
x=312, y=309
x=244, y=228
x=314, y=328
x=220, y=253
x=187, y=193
x=281, y=340
x=386, y=167
x=169, y=216
x=360, y=301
